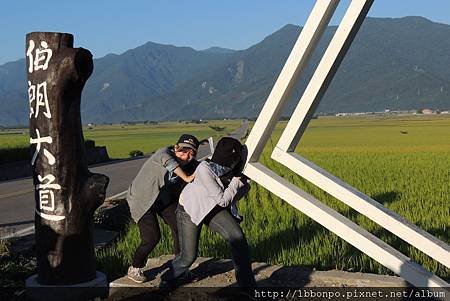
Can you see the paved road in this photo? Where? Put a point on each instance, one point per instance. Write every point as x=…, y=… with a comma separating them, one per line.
x=242, y=131
x=17, y=197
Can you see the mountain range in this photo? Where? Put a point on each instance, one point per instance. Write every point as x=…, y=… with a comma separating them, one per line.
x=394, y=63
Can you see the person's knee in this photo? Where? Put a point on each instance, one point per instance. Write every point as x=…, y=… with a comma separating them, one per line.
x=182, y=263
x=151, y=240
x=236, y=236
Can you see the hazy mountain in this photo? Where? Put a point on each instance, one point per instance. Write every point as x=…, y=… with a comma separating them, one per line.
x=13, y=93
x=119, y=82
x=393, y=63
x=127, y=81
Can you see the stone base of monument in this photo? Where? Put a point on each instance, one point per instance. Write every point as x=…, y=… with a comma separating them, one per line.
x=96, y=288
x=214, y=279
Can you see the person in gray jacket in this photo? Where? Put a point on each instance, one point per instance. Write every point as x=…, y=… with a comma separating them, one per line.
x=206, y=200
x=155, y=191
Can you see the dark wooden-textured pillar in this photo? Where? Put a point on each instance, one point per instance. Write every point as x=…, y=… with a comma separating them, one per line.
x=66, y=193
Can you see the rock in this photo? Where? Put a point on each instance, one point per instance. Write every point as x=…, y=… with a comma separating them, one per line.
x=97, y=154
x=112, y=215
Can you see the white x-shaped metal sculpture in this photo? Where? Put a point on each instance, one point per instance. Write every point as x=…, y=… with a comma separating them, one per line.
x=284, y=152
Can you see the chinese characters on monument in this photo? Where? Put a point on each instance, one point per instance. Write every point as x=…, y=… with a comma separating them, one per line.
x=38, y=59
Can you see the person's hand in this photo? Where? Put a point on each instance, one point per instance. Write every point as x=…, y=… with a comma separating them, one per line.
x=244, y=179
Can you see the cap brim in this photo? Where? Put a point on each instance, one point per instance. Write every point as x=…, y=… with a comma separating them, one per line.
x=187, y=145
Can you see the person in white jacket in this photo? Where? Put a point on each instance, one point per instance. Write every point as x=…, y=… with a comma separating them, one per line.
x=206, y=200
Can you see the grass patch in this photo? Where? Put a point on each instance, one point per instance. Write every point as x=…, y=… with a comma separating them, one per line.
x=4, y=247
x=14, y=268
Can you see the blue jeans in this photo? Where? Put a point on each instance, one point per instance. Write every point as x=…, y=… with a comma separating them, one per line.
x=222, y=222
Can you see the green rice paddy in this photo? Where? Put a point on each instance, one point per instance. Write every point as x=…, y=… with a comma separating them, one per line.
x=401, y=162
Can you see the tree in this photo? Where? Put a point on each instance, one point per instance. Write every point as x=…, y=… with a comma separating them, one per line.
x=217, y=129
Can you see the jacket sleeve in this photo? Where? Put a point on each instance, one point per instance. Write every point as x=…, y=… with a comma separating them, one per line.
x=242, y=191
x=214, y=191
x=167, y=159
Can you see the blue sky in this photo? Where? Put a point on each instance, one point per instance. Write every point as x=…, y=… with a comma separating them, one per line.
x=115, y=26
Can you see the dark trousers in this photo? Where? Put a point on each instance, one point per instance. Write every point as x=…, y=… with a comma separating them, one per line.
x=150, y=233
x=221, y=221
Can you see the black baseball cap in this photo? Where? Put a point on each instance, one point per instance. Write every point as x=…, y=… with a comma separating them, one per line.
x=188, y=141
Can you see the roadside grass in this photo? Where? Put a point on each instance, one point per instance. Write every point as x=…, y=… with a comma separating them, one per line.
x=407, y=173
x=14, y=268
x=4, y=247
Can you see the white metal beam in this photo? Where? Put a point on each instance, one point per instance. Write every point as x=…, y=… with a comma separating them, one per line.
x=314, y=92
x=307, y=41
x=343, y=227
x=389, y=220
x=324, y=73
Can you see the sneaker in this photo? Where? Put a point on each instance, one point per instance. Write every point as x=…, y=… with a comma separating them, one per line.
x=136, y=275
x=185, y=278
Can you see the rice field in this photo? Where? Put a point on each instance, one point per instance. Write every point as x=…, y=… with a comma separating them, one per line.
x=120, y=139
x=401, y=162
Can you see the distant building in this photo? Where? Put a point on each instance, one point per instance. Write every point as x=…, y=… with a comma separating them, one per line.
x=351, y=114
x=427, y=111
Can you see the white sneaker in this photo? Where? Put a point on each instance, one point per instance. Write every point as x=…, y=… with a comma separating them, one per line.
x=136, y=275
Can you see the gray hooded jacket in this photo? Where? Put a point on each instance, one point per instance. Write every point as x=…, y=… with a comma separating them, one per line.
x=154, y=174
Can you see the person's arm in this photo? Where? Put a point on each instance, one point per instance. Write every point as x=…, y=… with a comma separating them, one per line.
x=167, y=159
x=170, y=163
x=214, y=191
x=179, y=172
x=242, y=191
